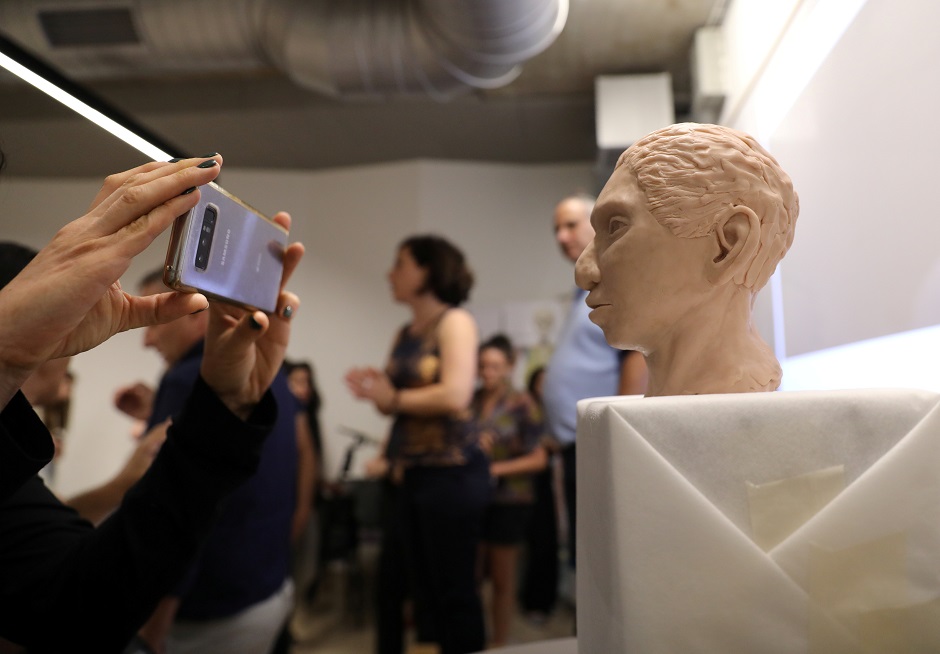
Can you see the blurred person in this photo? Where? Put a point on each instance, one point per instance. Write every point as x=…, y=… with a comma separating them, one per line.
x=55, y=415
x=48, y=390
x=302, y=384
x=67, y=585
x=99, y=502
x=136, y=401
x=426, y=387
x=539, y=590
x=510, y=428
x=238, y=594
x=583, y=364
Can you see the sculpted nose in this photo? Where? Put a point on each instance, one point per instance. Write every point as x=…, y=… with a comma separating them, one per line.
x=586, y=273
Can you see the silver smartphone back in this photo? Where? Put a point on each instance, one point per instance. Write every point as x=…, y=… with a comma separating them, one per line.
x=226, y=250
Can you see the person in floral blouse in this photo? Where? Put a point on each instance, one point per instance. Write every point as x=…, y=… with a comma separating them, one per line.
x=510, y=430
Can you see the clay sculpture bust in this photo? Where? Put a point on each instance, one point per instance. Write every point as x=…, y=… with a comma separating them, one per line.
x=689, y=227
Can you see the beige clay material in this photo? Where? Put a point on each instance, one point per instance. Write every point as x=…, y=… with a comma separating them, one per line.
x=689, y=227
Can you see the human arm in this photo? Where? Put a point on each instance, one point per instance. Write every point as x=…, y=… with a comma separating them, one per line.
x=135, y=400
x=379, y=465
x=534, y=461
x=25, y=445
x=457, y=341
x=97, y=503
x=157, y=628
x=98, y=585
x=633, y=374
x=49, y=311
x=529, y=455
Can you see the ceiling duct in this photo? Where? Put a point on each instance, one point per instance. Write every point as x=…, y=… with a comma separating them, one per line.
x=345, y=48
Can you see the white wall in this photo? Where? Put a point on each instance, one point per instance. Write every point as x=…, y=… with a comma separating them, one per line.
x=844, y=98
x=350, y=221
x=861, y=140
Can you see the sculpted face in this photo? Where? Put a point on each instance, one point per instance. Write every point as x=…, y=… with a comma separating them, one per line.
x=573, y=229
x=689, y=227
x=643, y=281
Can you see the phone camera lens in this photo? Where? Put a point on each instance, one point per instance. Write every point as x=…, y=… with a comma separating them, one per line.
x=207, y=231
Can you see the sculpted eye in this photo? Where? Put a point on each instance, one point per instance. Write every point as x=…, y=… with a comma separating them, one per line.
x=617, y=224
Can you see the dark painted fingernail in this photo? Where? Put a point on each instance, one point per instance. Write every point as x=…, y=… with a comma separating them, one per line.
x=254, y=323
x=288, y=311
x=208, y=164
x=200, y=310
x=175, y=160
x=188, y=191
x=206, y=156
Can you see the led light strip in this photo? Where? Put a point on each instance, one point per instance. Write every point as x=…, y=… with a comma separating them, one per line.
x=73, y=103
x=39, y=74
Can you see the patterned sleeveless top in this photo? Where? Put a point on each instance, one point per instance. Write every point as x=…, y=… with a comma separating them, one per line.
x=424, y=440
x=516, y=428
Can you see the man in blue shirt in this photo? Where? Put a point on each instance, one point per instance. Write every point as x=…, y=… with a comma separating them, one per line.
x=582, y=364
x=238, y=594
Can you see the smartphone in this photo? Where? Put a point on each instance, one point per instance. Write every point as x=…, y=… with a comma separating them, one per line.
x=227, y=251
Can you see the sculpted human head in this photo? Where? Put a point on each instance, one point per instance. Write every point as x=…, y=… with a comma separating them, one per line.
x=696, y=176
x=691, y=224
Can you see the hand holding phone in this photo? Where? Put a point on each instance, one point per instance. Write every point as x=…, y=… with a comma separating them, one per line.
x=228, y=251
x=245, y=349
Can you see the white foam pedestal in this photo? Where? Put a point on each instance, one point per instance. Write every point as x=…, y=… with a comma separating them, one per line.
x=766, y=522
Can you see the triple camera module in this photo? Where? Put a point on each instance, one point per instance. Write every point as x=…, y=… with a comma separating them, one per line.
x=205, y=236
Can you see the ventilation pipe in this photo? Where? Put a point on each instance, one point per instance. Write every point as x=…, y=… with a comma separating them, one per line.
x=344, y=48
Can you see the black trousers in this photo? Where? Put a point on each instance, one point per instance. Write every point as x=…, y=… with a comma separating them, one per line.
x=391, y=577
x=539, y=590
x=442, y=516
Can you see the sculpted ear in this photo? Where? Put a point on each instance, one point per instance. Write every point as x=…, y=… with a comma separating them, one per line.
x=737, y=240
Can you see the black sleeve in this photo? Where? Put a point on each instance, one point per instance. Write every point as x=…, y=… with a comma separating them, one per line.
x=25, y=445
x=69, y=587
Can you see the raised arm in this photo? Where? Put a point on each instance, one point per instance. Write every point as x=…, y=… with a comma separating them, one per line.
x=98, y=585
x=69, y=298
x=458, y=341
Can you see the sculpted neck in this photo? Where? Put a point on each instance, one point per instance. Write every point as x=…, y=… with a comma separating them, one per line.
x=713, y=352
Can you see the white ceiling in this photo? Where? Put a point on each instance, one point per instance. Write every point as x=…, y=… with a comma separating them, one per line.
x=261, y=119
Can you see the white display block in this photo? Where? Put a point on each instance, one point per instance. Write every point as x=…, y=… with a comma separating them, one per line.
x=628, y=107
x=760, y=523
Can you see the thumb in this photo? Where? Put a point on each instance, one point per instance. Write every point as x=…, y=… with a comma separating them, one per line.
x=163, y=307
